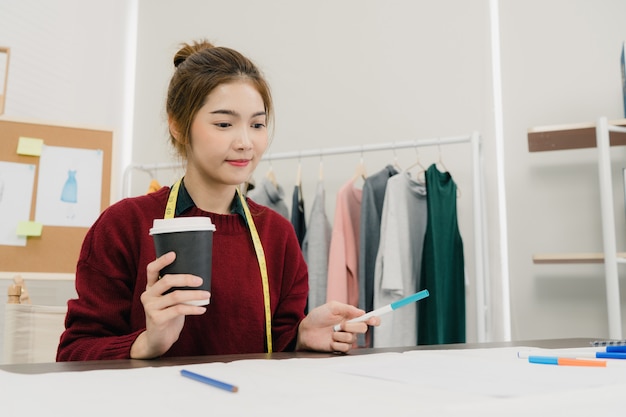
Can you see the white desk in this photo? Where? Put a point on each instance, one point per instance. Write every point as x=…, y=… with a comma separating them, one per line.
x=444, y=382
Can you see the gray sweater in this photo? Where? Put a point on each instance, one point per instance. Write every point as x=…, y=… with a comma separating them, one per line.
x=315, y=248
x=270, y=195
x=399, y=259
x=371, y=212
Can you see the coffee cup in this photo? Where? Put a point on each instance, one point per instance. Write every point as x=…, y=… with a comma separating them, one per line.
x=192, y=240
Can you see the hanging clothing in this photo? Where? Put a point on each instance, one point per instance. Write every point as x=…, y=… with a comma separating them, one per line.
x=343, y=260
x=371, y=212
x=154, y=186
x=297, y=213
x=399, y=259
x=270, y=195
x=442, y=315
x=315, y=247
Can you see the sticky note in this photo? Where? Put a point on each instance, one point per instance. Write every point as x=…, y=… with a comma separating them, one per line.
x=29, y=146
x=28, y=228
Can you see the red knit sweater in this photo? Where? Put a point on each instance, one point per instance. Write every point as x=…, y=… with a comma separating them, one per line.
x=106, y=318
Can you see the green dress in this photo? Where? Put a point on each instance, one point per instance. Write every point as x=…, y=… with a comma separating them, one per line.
x=441, y=316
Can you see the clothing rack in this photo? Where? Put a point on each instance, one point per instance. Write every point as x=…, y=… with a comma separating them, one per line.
x=483, y=319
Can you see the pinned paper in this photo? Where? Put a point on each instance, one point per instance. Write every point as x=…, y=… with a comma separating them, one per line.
x=69, y=186
x=29, y=146
x=28, y=228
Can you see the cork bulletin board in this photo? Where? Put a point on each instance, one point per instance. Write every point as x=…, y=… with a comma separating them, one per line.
x=57, y=248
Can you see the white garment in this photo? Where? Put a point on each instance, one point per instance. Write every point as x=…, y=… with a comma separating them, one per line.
x=399, y=259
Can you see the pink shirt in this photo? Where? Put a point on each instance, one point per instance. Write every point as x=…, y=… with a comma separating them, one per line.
x=343, y=259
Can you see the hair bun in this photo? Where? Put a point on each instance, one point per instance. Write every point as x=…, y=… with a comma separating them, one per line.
x=186, y=50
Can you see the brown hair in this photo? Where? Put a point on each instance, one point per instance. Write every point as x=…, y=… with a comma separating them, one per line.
x=200, y=68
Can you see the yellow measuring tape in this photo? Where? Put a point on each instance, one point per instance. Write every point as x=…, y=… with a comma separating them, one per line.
x=170, y=210
x=260, y=256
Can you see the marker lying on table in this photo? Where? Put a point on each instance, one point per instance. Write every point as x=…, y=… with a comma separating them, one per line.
x=551, y=360
x=616, y=348
x=208, y=381
x=388, y=308
x=571, y=354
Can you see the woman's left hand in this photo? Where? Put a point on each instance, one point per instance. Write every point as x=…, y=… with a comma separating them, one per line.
x=316, y=329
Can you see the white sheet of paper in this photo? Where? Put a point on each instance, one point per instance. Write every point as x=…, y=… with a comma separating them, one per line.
x=16, y=190
x=69, y=186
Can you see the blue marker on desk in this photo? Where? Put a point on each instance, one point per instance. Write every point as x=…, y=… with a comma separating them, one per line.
x=209, y=381
x=388, y=308
x=616, y=348
x=572, y=354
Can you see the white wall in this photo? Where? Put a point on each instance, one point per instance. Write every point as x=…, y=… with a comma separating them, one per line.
x=560, y=65
x=343, y=73
x=359, y=72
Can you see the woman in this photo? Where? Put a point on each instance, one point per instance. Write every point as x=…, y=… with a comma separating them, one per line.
x=219, y=108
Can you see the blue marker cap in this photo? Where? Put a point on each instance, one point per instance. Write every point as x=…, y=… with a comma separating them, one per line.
x=611, y=355
x=616, y=348
x=410, y=299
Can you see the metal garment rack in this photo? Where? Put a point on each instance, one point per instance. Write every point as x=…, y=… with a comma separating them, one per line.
x=483, y=319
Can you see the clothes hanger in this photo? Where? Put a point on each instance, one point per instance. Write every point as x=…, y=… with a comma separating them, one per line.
x=442, y=167
x=270, y=174
x=440, y=163
x=299, y=178
x=360, y=171
x=395, y=157
x=321, y=169
x=299, y=172
x=420, y=174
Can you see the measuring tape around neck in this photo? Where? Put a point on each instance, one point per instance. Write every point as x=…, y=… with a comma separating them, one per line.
x=170, y=211
x=260, y=256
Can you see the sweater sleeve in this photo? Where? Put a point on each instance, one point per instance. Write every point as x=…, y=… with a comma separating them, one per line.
x=95, y=333
x=106, y=318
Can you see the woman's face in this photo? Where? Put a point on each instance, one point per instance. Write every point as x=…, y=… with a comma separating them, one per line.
x=229, y=134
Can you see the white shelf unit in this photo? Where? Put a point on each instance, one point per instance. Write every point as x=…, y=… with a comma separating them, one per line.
x=601, y=135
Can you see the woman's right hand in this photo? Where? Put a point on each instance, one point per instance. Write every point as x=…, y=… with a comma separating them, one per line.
x=165, y=313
